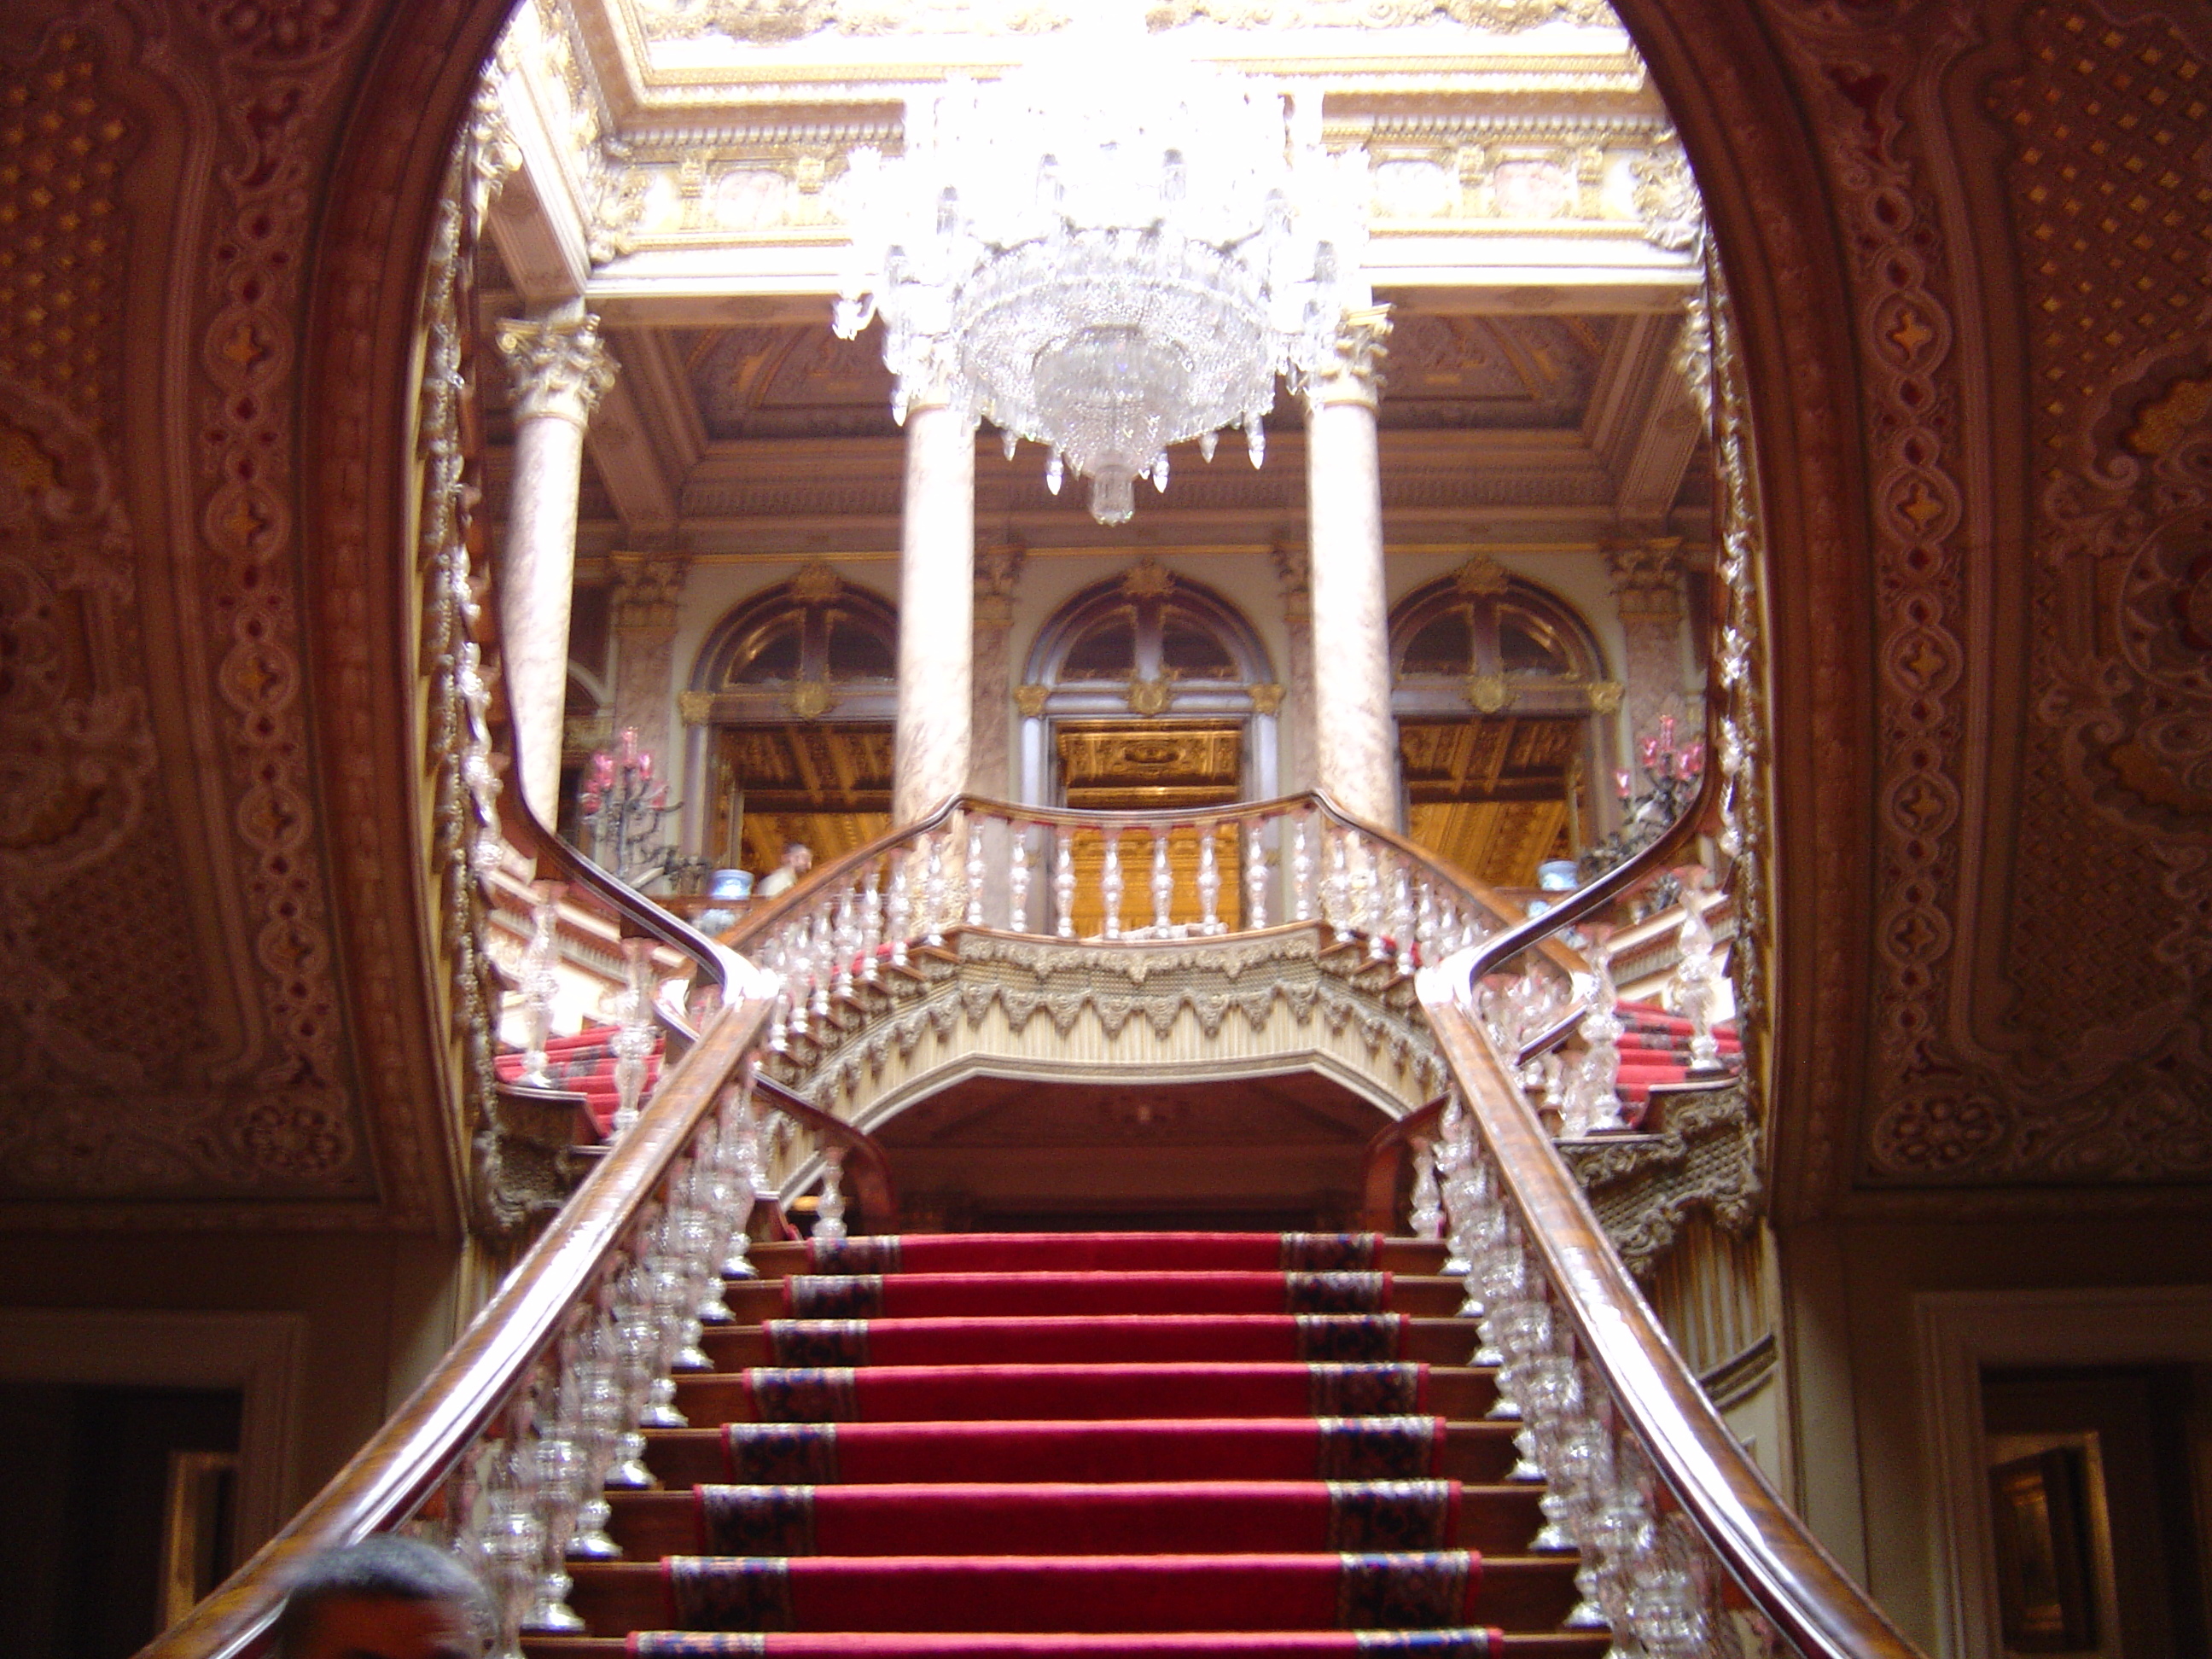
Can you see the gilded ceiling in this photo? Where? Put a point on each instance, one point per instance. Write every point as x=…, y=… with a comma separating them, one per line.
x=1968, y=241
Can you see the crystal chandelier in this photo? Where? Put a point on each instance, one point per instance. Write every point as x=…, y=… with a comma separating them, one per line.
x=1111, y=250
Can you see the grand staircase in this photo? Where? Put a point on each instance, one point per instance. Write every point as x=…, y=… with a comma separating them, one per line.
x=1156, y=1444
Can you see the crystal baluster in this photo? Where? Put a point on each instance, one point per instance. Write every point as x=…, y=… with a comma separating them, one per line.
x=633, y=1040
x=1302, y=871
x=822, y=954
x=1424, y=923
x=1336, y=907
x=1453, y=1155
x=1696, y=986
x=776, y=960
x=1402, y=921
x=1256, y=878
x=1209, y=883
x=829, y=1210
x=1063, y=881
x=1109, y=885
x=1427, y=1218
x=847, y=936
x=799, y=975
x=933, y=891
x=1163, y=882
x=871, y=924
x=741, y=1146
x=899, y=920
x=513, y=1541
x=540, y=984
x=666, y=1285
x=557, y=1474
x=1017, y=879
x=975, y=871
x=1600, y=1030
x=632, y=1342
x=1376, y=912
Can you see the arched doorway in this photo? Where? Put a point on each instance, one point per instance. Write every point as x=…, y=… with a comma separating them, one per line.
x=792, y=699
x=1506, y=711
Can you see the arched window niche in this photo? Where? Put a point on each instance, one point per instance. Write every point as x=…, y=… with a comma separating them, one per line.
x=1506, y=709
x=1148, y=691
x=790, y=708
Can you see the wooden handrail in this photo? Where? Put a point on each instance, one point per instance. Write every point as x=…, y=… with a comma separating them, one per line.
x=1783, y=1570
x=870, y=1168
x=1385, y=1155
x=404, y=1461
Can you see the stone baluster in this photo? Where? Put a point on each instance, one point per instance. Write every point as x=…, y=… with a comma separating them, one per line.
x=1063, y=881
x=1163, y=882
x=1109, y=885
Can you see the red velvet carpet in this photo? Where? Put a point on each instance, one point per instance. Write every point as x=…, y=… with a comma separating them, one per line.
x=1178, y=1446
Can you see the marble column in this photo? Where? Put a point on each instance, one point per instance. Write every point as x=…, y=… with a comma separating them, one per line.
x=937, y=612
x=558, y=370
x=997, y=573
x=1355, y=738
x=1647, y=583
x=646, y=588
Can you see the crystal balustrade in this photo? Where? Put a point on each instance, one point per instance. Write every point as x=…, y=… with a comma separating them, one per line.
x=507, y=1450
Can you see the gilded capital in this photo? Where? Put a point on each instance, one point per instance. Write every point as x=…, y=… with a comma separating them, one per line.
x=557, y=368
x=646, y=588
x=695, y=708
x=998, y=574
x=1356, y=375
x=1646, y=579
x=1267, y=697
x=1029, y=700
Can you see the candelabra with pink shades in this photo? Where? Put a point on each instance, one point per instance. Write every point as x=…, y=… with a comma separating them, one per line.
x=623, y=807
x=1671, y=771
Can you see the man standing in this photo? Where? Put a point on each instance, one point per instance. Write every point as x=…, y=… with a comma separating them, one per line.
x=798, y=860
x=386, y=1597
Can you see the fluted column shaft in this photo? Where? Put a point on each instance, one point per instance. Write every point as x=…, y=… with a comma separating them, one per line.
x=559, y=370
x=1355, y=738
x=937, y=612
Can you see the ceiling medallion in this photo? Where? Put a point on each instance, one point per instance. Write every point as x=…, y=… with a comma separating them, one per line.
x=1112, y=250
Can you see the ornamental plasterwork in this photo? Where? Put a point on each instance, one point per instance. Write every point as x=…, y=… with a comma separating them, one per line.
x=763, y=22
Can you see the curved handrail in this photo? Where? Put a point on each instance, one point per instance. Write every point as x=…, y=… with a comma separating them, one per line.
x=404, y=1460
x=1784, y=1570
x=870, y=1173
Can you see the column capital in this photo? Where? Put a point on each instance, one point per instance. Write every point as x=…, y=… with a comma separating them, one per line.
x=1355, y=375
x=646, y=588
x=1646, y=578
x=1294, y=573
x=559, y=366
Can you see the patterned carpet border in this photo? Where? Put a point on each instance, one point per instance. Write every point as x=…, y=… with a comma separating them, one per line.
x=1424, y=1591
x=816, y=1395
x=727, y=1592
x=756, y=1520
x=834, y=1295
x=781, y=1454
x=1335, y=1293
x=1364, y=1391
x=1396, y=1516
x=818, y=1342
x=1330, y=1253
x=1350, y=1339
x=1376, y=1448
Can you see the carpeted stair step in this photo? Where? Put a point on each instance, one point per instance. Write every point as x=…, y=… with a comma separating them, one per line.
x=1007, y=1295
x=1221, y=1448
x=1471, y=1643
x=1098, y=1253
x=1061, y=1339
x=1164, y=1593
x=1071, y=1519
x=952, y=1394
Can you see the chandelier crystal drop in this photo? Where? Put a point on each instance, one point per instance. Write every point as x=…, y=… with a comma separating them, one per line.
x=1110, y=251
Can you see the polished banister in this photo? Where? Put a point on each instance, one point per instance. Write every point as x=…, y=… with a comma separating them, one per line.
x=405, y=1460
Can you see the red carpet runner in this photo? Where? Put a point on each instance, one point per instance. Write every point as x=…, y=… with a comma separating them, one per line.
x=1162, y=1446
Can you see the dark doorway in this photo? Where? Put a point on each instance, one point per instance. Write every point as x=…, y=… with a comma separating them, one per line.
x=118, y=1490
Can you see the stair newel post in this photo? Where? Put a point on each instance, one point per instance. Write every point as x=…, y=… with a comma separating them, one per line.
x=1256, y=878
x=848, y=940
x=900, y=905
x=1696, y=984
x=933, y=891
x=740, y=1153
x=871, y=924
x=1018, y=878
x=829, y=1210
x=1209, y=882
x=540, y=983
x=976, y=870
x=632, y=1042
x=1427, y=1217
x=1109, y=885
x=1301, y=869
x=1163, y=882
x=1063, y=881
